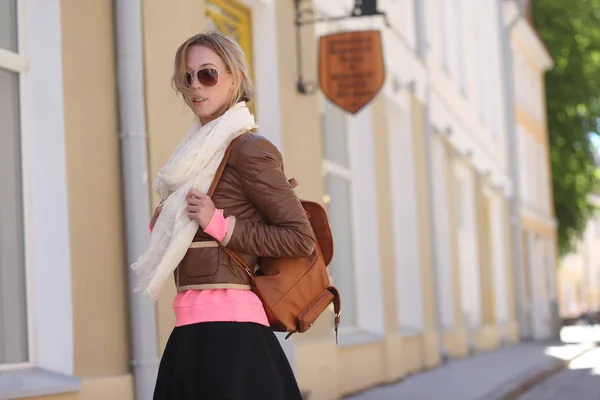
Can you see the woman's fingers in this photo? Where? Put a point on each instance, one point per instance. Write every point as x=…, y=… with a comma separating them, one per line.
x=193, y=208
x=196, y=193
x=197, y=202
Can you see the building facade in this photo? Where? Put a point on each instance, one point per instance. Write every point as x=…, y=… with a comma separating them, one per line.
x=579, y=272
x=470, y=176
x=417, y=185
x=536, y=211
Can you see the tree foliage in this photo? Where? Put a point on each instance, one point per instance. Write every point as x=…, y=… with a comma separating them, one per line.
x=571, y=31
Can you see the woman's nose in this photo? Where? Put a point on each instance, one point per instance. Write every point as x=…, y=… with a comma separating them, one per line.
x=196, y=83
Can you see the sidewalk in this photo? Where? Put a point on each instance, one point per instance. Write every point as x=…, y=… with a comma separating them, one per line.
x=500, y=374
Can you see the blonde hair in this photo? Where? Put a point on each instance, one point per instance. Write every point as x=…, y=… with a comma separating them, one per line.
x=232, y=55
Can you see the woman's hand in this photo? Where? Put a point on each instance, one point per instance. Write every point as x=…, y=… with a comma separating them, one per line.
x=200, y=207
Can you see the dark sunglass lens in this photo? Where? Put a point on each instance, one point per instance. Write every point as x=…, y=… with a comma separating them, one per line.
x=208, y=76
x=188, y=79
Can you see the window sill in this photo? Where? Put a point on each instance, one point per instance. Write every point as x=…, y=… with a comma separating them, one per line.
x=33, y=382
x=357, y=338
x=410, y=332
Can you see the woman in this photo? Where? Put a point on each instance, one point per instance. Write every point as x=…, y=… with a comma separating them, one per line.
x=221, y=346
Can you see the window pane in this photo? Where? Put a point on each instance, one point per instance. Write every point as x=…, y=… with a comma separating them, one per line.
x=13, y=310
x=8, y=25
x=335, y=145
x=342, y=266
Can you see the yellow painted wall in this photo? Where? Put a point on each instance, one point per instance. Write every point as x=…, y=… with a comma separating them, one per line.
x=102, y=388
x=99, y=275
x=381, y=140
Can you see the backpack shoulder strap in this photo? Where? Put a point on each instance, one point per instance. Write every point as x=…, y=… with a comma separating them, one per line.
x=219, y=173
x=238, y=260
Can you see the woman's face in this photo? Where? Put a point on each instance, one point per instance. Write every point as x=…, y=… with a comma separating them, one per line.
x=209, y=101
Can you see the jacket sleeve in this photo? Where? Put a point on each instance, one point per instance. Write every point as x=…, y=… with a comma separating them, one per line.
x=286, y=231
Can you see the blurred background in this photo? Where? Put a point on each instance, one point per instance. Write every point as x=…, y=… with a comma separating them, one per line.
x=463, y=196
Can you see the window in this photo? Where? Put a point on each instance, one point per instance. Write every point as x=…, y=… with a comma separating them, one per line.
x=8, y=26
x=533, y=171
x=14, y=346
x=480, y=59
x=498, y=248
x=520, y=77
x=529, y=166
x=522, y=161
x=460, y=44
x=36, y=330
x=439, y=163
x=404, y=221
x=402, y=15
x=537, y=97
x=451, y=33
x=350, y=197
x=338, y=198
x=468, y=254
x=544, y=190
x=442, y=33
x=235, y=20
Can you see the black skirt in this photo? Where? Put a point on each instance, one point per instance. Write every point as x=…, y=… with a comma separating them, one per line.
x=225, y=360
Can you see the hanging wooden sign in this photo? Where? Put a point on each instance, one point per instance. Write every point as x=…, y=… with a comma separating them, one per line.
x=351, y=68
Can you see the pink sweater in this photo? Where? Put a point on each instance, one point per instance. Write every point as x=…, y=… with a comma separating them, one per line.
x=222, y=305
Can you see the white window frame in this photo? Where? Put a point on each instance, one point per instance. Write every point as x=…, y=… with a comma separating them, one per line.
x=367, y=268
x=405, y=220
x=46, y=219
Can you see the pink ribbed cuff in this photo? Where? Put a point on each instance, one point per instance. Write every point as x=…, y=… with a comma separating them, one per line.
x=218, y=225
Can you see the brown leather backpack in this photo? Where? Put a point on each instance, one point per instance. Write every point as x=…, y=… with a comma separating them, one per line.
x=294, y=291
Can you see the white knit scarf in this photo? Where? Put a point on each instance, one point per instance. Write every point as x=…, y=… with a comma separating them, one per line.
x=193, y=165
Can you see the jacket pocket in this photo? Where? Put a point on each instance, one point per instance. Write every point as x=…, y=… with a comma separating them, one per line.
x=201, y=260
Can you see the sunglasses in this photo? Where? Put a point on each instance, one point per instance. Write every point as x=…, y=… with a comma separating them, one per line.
x=206, y=76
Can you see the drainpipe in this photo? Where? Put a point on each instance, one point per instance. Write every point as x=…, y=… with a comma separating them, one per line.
x=513, y=160
x=134, y=169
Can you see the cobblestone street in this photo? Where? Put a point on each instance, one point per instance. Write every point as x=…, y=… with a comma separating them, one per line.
x=581, y=381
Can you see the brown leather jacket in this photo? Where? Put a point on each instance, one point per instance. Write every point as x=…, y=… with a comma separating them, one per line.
x=266, y=219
